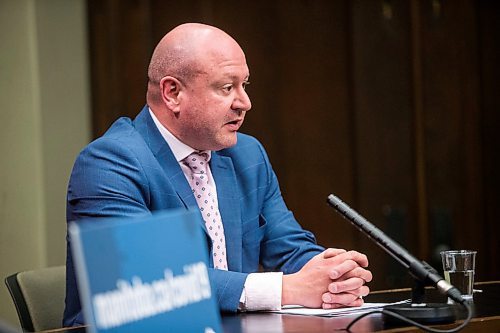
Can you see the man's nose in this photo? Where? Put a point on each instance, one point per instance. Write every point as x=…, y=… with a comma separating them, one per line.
x=242, y=101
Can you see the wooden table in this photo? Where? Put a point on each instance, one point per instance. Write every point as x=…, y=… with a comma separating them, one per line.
x=486, y=308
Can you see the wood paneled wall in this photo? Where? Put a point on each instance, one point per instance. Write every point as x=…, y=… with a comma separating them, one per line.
x=392, y=105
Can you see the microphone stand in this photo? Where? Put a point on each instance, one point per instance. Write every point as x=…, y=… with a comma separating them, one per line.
x=422, y=312
x=423, y=273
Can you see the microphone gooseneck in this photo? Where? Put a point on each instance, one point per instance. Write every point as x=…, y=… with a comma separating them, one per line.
x=417, y=313
x=418, y=269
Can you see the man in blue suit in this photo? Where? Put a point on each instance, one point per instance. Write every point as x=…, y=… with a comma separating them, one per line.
x=196, y=102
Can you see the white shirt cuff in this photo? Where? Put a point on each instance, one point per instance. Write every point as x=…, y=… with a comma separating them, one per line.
x=262, y=291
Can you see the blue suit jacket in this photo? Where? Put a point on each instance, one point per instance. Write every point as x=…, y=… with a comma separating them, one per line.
x=131, y=171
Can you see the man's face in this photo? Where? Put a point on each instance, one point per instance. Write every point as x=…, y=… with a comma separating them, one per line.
x=215, y=102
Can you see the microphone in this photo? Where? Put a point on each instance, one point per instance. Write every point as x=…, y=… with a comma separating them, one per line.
x=420, y=270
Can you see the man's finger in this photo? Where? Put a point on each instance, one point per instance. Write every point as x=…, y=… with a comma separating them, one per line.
x=338, y=270
x=342, y=298
x=331, y=252
x=345, y=285
x=329, y=306
x=357, y=272
x=359, y=258
x=357, y=302
x=360, y=292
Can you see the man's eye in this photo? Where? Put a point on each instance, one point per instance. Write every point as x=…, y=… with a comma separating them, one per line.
x=227, y=87
x=245, y=84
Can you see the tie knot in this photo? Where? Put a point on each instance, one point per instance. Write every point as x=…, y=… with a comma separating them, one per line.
x=197, y=162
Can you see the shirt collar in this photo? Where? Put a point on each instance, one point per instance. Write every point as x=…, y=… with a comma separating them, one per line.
x=179, y=148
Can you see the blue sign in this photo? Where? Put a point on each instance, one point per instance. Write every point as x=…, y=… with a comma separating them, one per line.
x=145, y=274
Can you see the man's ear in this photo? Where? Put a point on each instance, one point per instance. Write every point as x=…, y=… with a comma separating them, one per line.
x=170, y=89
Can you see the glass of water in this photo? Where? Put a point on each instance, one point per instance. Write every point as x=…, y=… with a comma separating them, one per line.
x=459, y=266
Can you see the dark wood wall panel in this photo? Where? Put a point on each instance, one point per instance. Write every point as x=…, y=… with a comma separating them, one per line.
x=452, y=119
x=313, y=113
x=264, y=63
x=489, y=46
x=382, y=98
x=120, y=48
x=392, y=105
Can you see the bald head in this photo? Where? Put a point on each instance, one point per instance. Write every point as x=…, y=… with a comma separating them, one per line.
x=196, y=88
x=180, y=53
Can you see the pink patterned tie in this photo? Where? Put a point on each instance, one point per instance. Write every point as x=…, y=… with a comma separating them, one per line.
x=206, y=197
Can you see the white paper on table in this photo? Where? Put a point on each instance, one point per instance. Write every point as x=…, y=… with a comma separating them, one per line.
x=300, y=310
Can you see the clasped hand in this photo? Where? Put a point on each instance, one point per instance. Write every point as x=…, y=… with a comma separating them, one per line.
x=332, y=279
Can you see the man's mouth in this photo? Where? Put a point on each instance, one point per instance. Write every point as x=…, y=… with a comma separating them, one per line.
x=234, y=124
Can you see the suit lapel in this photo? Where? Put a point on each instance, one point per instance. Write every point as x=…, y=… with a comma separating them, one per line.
x=173, y=172
x=229, y=207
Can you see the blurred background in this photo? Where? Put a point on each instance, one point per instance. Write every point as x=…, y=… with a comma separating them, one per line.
x=391, y=105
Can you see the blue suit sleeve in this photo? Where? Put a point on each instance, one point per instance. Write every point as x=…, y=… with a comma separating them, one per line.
x=227, y=287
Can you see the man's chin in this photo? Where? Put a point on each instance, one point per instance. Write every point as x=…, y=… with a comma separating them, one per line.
x=228, y=142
